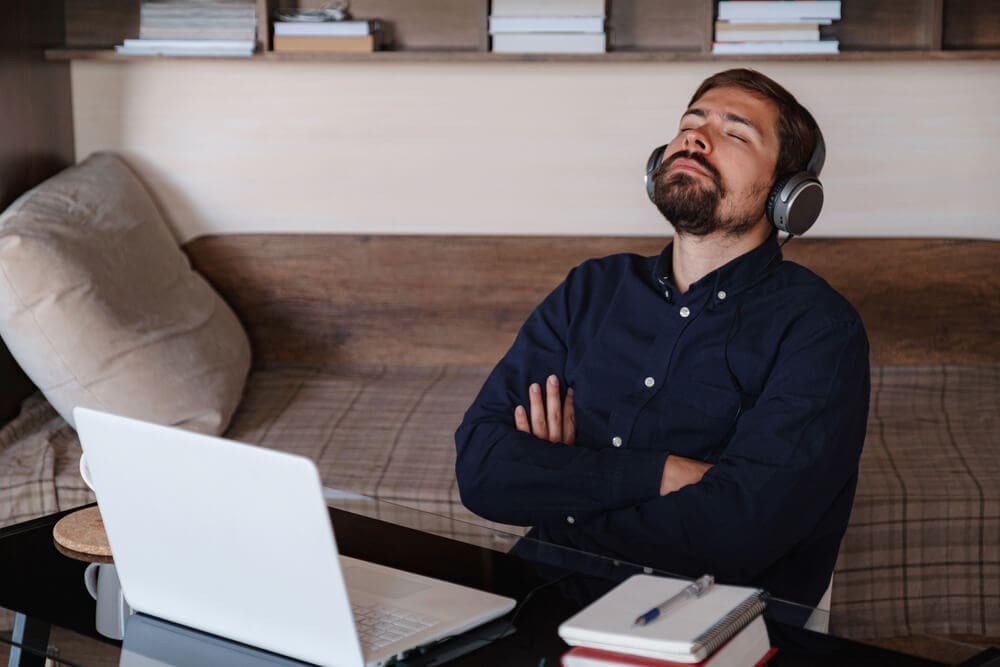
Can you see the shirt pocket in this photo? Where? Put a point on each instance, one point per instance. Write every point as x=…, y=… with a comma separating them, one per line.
x=694, y=420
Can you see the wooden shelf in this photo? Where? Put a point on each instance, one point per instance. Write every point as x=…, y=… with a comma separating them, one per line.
x=483, y=57
x=638, y=31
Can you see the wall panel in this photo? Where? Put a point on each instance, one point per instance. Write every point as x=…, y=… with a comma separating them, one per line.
x=520, y=148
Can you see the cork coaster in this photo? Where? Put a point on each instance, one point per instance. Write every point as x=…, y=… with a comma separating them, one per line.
x=82, y=534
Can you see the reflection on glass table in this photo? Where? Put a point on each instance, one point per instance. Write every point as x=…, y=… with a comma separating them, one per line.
x=45, y=592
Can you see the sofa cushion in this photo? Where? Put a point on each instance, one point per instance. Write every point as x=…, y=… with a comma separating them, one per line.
x=101, y=309
x=922, y=549
x=385, y=432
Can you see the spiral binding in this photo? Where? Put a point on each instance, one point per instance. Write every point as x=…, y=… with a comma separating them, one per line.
x=729, y=625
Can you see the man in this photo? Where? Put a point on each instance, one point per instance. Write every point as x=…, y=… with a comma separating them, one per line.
x=698, y=411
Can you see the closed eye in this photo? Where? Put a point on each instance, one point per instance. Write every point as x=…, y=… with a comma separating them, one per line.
x=738, y=137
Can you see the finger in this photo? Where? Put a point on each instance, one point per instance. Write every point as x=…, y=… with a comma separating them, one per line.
x=569, y=419
x=553, y=404
x=521, y=419
x=538, y=426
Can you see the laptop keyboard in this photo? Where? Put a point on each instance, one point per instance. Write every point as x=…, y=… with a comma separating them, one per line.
x=379, y=625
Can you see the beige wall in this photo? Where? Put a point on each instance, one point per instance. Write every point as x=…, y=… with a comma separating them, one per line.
x=520, y=148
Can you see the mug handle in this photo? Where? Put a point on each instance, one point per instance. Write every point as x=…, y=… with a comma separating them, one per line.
x=90, y=579
x=85, y=472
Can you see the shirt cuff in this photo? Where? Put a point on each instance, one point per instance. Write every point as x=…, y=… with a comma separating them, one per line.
x=637, y=476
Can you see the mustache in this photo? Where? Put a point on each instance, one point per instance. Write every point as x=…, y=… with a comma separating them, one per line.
x=694, y=157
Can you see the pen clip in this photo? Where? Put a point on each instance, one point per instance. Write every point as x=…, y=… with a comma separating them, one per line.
x=703, y=583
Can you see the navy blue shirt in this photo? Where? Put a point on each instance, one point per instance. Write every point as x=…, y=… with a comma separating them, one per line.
x=760, y=368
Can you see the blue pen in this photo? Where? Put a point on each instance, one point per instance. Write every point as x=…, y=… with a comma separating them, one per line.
x=696, y=589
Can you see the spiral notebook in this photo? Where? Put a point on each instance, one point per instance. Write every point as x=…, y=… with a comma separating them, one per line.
x=688, y=633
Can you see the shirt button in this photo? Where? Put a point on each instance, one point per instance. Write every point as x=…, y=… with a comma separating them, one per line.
x=666, y=294
x=616, y=441
x=721, y=295
x=685, y=311
x=649, y=382
x=570, y=519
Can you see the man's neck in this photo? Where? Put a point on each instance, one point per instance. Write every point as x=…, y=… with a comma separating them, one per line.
x=694, y=257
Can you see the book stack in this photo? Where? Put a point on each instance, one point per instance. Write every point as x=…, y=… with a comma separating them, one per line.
x=344, y=36
x=747, y=26
x=548, y=26
x=194, y=28
x=724, y=627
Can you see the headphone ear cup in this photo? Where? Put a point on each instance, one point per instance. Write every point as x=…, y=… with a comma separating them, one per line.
x=794, y=203
x=773, y=198
x=655, y=158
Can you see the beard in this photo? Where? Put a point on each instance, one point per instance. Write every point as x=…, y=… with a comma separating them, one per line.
x=691, y=206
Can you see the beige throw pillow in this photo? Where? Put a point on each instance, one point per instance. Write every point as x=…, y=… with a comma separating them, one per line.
x=101, y=308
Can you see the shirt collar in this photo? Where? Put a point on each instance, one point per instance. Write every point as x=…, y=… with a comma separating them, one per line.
x=734, y=277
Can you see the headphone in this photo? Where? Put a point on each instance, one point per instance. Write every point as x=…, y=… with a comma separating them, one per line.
x=795, y=200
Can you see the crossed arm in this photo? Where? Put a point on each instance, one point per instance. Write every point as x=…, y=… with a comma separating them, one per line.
x=553, y=420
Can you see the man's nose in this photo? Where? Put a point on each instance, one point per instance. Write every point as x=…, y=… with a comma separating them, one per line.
x=696, y=140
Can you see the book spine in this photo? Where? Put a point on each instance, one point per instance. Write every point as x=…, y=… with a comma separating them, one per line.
x=548, y=7
x=813, y=9
x=572, y=24
x=537, y=42
x=303, y=44
x=326, y=28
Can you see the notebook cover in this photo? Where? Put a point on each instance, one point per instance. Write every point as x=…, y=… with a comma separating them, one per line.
x=584, y=656
x=687, y=634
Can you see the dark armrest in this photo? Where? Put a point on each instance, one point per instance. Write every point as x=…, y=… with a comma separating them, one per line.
x=14, y=386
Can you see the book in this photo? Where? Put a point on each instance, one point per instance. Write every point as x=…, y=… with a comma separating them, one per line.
x=738, y=48
x=689, y=633
x=499, y=24
x=216, y=20
x=752, y=9
x=200, y=32
x=547, y=8
x=766, y=32
x=750, y=647
x=326, y=28
x=309, y=43
x=550, y=42
x=186, y=47
x=778, y=21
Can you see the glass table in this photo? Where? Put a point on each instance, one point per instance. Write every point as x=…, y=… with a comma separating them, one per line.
x=50, y=615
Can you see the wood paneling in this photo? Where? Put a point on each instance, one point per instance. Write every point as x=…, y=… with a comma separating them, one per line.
x=655, y=25
x=101, y=22
x=885, y=25
x=490, y=148
x=971, y=24
x=36, y=129
x=36, y=118
x=320, y=300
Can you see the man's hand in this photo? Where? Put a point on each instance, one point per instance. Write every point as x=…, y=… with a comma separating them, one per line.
x=551, y=419
x=554, y=421
x=678, y=472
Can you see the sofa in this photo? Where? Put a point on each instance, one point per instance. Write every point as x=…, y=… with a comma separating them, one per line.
x=366, y=351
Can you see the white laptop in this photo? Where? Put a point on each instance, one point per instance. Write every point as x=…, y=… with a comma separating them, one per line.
x=236, y=540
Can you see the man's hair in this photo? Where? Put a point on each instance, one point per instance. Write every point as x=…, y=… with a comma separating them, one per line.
x=796, y=126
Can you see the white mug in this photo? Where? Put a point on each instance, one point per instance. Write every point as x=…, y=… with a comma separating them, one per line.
x=101, y=580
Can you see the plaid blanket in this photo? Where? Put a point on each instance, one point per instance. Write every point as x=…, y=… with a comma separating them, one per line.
x=922, y=550
x=921, y=554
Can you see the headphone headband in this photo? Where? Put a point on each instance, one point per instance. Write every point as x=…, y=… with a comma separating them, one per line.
x=818, y=157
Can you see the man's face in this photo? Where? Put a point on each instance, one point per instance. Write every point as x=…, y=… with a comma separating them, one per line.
x=717, y=171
